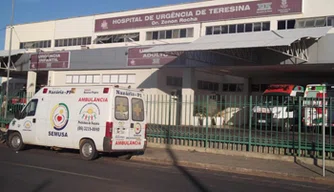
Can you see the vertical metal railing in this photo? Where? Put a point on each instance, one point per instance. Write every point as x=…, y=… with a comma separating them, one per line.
x=299, y=125
x=233, y=121
x=250, y=123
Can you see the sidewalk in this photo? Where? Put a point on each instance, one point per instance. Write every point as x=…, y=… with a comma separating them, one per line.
x=237, y=164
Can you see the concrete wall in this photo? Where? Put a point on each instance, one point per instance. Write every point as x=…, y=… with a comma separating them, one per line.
x=156, y=79
x=58, y=78
x=31, y=32
x=75, y=27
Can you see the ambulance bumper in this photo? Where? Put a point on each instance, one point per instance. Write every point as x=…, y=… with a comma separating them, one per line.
x=107, y=146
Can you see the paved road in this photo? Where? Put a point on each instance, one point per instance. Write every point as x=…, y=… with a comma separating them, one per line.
x=37, y=170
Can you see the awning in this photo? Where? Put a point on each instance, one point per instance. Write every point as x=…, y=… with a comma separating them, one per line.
x=5, y=53
x=244, y=40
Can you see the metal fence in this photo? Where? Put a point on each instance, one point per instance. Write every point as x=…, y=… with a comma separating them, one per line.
x=277, y=125
x=16, y=102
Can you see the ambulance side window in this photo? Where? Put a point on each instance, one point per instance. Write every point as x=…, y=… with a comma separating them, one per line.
x=30, y=109
x=137, y=109
x=121, y=108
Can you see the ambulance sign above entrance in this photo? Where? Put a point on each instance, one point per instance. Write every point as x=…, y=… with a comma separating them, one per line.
x=137, y=58
x=50, y=60
x=248, y=9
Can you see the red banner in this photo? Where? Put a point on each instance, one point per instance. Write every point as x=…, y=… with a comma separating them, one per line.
x=201, y=14
x=137, y=58
x=50, y=60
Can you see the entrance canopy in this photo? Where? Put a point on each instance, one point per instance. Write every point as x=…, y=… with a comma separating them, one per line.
x=5, y=53
x=288, y=42
x=4, y=58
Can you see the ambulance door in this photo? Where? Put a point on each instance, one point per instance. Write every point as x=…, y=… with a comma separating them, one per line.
x=27, y=122
x=121, y=127
x=310, y=102
x=138, y=122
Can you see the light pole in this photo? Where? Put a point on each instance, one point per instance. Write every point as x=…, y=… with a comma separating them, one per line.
x=9, y=56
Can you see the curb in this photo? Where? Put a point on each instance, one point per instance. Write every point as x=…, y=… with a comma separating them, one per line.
x=238, y=170
x=309, y=161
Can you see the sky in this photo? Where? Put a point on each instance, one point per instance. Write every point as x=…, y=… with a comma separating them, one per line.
x=40, y=10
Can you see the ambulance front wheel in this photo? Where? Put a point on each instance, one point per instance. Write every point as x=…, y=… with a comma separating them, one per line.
x=88, y=150
x=15, y=141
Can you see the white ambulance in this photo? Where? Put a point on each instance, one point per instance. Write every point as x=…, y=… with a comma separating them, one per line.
x=92, y=119
x=313, y=105
x=278, y=106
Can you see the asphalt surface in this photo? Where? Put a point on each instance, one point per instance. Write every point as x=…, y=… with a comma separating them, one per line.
x=36, y=170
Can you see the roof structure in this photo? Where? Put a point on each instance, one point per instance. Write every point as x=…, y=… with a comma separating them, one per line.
x=288, y=42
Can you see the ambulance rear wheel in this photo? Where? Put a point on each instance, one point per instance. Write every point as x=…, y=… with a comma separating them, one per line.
x=15, y=141
x=88, y=150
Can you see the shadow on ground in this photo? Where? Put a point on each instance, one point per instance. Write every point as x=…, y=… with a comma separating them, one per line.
x=315, y=168
x=42, y=186
x=194, y=181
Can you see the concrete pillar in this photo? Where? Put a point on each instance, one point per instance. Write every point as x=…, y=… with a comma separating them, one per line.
x=31, y=83
x=188, y=94
x=156, y=104
x=247, y=93
x=154, y=81
x=51, y=78
x=247, y=87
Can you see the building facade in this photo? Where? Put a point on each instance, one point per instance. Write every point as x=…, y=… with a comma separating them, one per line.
x=110, y=48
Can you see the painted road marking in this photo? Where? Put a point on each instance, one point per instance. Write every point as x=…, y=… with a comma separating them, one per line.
x=57, y=171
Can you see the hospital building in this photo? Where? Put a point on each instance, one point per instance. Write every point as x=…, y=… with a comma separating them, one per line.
x=218, y=47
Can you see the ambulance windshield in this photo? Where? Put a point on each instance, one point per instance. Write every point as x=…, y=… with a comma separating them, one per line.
x=311, y=94
x=313, y=90
x=275, y=98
